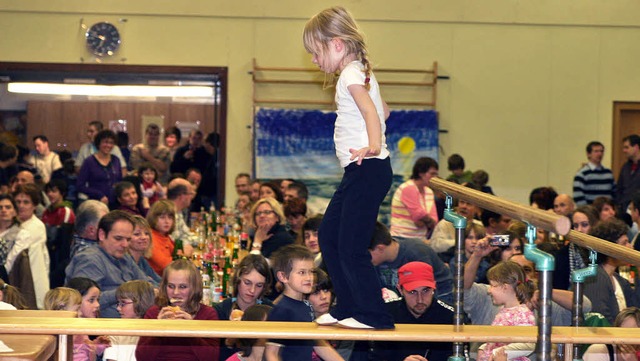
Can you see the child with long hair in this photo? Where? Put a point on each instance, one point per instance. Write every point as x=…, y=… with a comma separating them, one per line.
x=11, y=298
x=82, y=301
x=251, y=349
x=134, y=299
x=510, y=289
x=179, y=298
x=337, y=45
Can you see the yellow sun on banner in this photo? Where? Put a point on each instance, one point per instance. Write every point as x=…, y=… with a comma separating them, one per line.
x=406, y=145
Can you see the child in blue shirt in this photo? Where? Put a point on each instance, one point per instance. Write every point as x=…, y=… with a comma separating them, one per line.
x=294, y=267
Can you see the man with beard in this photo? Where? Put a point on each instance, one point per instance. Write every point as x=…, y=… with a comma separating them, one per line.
x=416, y=285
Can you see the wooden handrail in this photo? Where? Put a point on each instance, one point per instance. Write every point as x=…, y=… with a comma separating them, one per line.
x=310, y=331
x=539, y=218
x=609, y=248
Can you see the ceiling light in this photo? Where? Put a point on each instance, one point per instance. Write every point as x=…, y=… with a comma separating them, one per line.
x=111, y=90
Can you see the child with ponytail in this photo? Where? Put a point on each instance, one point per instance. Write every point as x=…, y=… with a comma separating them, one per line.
x=510, y=289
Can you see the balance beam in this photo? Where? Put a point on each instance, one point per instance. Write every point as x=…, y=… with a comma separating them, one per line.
x=308, y=331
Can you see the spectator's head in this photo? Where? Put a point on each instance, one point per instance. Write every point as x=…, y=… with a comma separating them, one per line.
x=456, y=164
x=181, y=286
x=195, y=139
x=494, y=222
x=321, y=298
x=309, y=236
x=122, y=139
x=172, y=137
x=62, y=299
x=8, y=154
x=27, y=198
x=90, y=292
x=41, y=143
x=152, y=135
x=126, y=194
x=255, y=189
x=631, y=147
x=605, y=207
x=595, y=152
x=194, y=176
x=293, y=266
x=297, y=190
x=12, y=296
x=508, y=276
x=8, y=211
x=480, y=177
x=181, y=192
x=148, y=173
x=212, y=142
x=424, y=169
x=628, y=318
x=93, y=128
x=295, y=210
x=614, y=231
x=542, y=198
x=88, y=216
x=242, y=183
x=252, y=279
x=380, y=240
x=472, y=233
x=104, y=141
x=271, y=190
x=563, y=205
x=56, y=190
x=267, y=211
x=162, y=216
x=115, y=230
x=141, y=237
x=583, y=218
x=416, y=284
x=284, y=183
x=134, y=298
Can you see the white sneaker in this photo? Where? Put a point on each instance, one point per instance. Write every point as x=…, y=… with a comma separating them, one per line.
x=353, y=323
x=326, y=320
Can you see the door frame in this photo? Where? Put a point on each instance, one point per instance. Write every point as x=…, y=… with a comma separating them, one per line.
x=115, y=73
x=617, y=156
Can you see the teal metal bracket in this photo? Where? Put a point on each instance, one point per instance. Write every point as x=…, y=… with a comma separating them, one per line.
x=580, y=275
x=543, y=260
x=453, y=217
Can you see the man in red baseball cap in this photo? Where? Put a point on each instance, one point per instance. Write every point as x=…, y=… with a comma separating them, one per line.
x=416, y=285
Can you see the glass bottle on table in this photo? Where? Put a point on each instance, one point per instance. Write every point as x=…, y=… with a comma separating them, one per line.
x=177, y=249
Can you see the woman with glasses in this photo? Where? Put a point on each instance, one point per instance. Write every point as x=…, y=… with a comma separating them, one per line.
x=267, y=217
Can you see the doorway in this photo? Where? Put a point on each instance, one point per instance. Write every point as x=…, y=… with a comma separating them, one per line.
x=626, y=121
x=66, y=117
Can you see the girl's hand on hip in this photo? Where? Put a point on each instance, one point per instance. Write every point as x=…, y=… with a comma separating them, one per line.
x=362, y=153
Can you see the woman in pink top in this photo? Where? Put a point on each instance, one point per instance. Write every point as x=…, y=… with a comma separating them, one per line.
x=413, y=208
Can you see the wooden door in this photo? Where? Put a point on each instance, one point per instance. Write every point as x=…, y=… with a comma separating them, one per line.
x=626, y=121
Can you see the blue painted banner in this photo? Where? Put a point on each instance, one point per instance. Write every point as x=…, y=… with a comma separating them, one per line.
x=298, y=144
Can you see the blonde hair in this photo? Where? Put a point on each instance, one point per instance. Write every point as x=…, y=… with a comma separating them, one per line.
x=140, y=221
x=337, y=23
x=62, y=298
x=275, y=206
x=512, y=274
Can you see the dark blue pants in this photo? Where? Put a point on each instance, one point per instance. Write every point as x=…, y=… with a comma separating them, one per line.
x=345, y=235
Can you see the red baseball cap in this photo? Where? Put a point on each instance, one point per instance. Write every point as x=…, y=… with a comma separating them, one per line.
x=416, y=274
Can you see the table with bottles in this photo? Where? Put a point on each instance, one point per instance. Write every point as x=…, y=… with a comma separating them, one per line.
x=222, y=242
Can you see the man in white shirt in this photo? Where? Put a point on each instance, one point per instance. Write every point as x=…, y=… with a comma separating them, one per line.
x=46, y=161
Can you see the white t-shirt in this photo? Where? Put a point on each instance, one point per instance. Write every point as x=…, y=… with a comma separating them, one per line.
x=350, y=129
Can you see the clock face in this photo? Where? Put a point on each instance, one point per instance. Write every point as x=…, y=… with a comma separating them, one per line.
x=103, y=39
